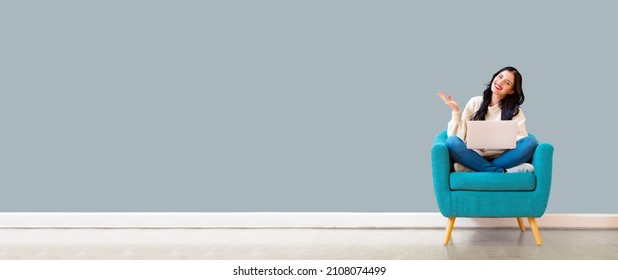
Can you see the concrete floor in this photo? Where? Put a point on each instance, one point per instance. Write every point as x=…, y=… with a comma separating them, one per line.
x=305, y=244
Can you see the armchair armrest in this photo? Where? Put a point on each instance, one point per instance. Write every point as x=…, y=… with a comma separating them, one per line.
x=440, y=170
x=543, y=168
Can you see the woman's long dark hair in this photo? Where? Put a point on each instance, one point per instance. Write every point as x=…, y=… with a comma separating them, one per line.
x=509, y=104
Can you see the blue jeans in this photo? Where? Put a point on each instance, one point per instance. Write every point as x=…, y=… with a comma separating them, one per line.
x=469, y=158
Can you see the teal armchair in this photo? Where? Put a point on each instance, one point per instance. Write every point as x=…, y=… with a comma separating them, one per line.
x=491, y=195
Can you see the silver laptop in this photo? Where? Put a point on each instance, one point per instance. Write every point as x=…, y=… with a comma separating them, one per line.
x=491, y=135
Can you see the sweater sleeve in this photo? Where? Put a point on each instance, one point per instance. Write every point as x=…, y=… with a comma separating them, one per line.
x=520, y=118
x=457, y=125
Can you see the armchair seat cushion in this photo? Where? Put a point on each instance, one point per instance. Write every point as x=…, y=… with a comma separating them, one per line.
x=492, y=182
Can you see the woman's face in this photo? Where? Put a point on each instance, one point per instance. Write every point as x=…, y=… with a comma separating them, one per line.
x=503, y=83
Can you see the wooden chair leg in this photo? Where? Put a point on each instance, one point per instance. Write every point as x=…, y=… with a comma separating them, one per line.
x=520, y=222
x=535, y=231
x=449, y=229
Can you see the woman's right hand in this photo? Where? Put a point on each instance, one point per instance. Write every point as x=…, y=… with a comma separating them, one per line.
x=449, y=101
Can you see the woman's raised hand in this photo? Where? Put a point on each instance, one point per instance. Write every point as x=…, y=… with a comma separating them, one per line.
x=449, y=101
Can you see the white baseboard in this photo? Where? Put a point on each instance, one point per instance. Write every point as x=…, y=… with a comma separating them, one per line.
x=289, y=220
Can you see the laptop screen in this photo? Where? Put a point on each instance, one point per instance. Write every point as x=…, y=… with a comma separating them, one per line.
x=491, y=134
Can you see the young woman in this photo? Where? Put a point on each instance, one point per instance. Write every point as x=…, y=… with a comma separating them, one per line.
x=500, y=101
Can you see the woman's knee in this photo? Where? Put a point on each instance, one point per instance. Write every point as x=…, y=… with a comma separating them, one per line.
x=528, y=142
x=454, y=142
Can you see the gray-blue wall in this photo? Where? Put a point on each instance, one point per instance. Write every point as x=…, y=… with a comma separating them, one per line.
x=287, y=105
